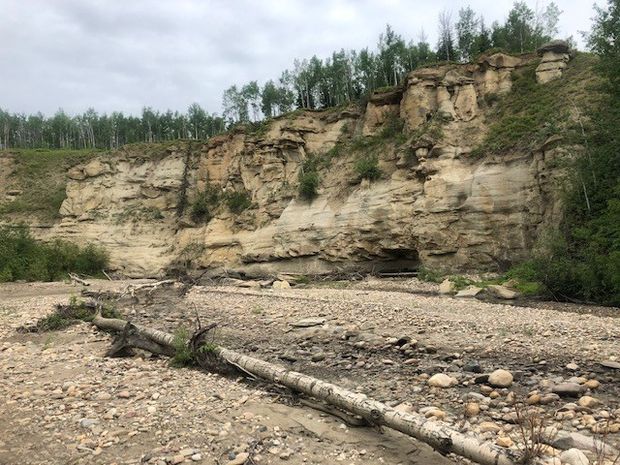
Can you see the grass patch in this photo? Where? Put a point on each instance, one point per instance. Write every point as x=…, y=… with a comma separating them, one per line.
x=41, y=174
x=530, y=113
x=367, y=167
x=24, y=258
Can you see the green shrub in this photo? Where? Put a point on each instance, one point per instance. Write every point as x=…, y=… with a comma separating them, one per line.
x=309, y=178
x=308, y=185
x=237, y=201
x=204, y=203
x=183, y=355
x=368, y=168
x=24, y=258
x=393, y=129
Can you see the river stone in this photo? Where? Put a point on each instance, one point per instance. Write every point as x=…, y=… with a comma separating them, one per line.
x=502, y=292
x=442, y=380
x=567, y=389
x=588, y=402
x=308, y=322
x=471, y=291
x=574, y=457
x=611, y=364
x=564, y=440
x=500, y=378
x=447, y=287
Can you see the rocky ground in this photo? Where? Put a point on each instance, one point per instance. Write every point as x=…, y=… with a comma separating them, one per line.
x=398, y=341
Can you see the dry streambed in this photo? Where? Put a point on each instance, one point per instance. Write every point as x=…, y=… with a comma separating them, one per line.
x=62, y=399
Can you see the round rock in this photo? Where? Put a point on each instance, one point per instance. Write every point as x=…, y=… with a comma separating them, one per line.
x=442, y=380
x=500, y=378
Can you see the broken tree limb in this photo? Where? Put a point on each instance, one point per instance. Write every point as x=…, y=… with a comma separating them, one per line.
x=435, y=433
x=77, y=279
x=132, y=288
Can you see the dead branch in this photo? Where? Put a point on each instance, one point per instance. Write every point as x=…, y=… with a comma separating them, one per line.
x=75, y=278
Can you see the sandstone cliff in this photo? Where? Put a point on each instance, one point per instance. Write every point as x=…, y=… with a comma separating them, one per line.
x=438, y=203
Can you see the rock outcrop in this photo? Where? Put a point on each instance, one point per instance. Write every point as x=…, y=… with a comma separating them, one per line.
x=555, y=57
x=435, y=204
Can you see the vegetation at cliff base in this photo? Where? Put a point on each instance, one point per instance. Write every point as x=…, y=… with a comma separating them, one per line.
x=23, y=257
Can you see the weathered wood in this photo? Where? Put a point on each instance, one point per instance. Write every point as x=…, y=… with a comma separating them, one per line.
x=77, y=279
x=435, y=433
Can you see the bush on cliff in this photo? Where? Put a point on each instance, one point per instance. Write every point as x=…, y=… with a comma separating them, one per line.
x=309, y=179
x=24, y=258
x=368, y=168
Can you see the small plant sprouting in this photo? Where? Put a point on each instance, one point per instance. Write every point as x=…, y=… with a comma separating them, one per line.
x=183, y=355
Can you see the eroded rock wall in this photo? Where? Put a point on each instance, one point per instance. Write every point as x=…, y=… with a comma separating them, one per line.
x=436, y=204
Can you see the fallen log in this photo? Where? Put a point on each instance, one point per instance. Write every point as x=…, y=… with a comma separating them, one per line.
x=435, y=433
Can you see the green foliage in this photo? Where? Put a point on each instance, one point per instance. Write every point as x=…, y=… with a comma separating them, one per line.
x=237, y=202
x=24, y=258
x=309, y=178
x=430, y=275
x=530, y=113
x=367, y=167
x=68, y=315
x=308, y=185
x=41, y=175
x=582, y=261
x=393, y=129
x=204, y=203
x=183, y=355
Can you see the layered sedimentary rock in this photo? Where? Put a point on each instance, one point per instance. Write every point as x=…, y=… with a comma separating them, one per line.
x=435, y=204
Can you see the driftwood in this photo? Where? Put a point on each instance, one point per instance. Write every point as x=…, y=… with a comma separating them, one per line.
x=132, y=288
x=77, y=279
x=434, y=433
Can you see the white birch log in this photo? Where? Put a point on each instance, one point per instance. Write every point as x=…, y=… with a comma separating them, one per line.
x=435, y=433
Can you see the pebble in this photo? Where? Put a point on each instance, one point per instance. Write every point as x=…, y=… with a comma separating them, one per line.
x=442, y=380
x=574, y=457
x=500, y=378
x=472, y=409
x=504, y=441
x=592, y=384
x=588, y=402
x=567, y=389
x=487, y=426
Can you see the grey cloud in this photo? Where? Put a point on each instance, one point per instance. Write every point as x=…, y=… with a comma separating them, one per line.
x=126, y=54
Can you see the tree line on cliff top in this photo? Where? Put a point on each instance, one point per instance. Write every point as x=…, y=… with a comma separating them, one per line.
x=313, y=83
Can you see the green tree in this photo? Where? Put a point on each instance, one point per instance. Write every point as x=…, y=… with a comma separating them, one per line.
x=445, y=44
x=466, y=33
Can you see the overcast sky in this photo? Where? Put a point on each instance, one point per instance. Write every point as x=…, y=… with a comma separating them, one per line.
x=123, y=55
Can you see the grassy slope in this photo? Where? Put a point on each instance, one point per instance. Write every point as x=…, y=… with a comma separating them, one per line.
x=41, y=175
x=531, y=113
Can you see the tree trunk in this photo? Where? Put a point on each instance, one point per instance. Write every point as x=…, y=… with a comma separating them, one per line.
x=435, y=433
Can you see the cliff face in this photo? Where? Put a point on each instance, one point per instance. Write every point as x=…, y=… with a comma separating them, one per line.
x=436, y=204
